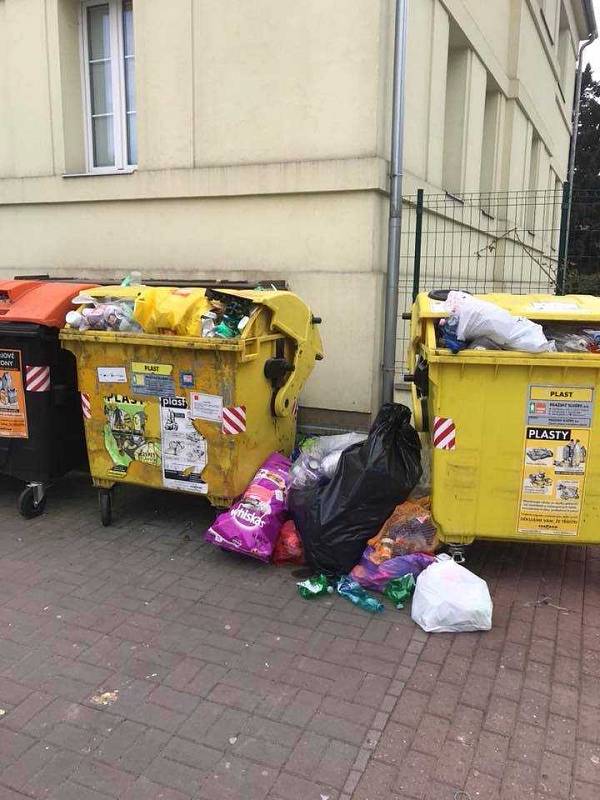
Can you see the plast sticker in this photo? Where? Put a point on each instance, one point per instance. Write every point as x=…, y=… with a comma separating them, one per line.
x=184, y=450
x=125, y=436
x=153, y=380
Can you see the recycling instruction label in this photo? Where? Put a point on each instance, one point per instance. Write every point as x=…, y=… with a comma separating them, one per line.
x=557, y=440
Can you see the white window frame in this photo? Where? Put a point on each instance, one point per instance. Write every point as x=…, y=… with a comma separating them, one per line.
x=115, y=11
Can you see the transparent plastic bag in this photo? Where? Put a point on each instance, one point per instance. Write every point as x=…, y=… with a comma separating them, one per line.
x=318, y=460
x=449, y=598
x=110, y=315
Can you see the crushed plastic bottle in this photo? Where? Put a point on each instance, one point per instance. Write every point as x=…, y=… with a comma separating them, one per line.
x=353, y=591
x=399, y=590
x=314, y=587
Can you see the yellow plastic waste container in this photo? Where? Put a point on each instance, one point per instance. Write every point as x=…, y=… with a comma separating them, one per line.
x=514, y=436
x=171, y=409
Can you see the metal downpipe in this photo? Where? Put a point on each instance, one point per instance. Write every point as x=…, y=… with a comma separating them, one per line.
x=395, y=214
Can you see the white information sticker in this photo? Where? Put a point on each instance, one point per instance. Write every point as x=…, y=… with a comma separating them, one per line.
x=553, y=306
x=206, y=406
x=112, y=375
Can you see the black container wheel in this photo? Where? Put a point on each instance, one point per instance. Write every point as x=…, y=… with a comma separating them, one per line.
x=105, y=503
x=27, y=504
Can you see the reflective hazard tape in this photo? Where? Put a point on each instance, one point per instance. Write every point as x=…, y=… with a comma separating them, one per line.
x=86, y=406
x=234, y=420
x=37, y=379
x=444, y=433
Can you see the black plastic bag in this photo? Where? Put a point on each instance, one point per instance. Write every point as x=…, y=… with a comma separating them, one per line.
x=372, y=478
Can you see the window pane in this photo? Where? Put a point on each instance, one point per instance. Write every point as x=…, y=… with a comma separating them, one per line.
x=128, y=46
x=104, y=147
x=131, y=139
x=98, y=32
x=129, y=70
x=101, y=88
x=130, y=84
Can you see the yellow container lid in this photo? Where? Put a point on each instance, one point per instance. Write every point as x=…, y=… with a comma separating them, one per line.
x=565, y=308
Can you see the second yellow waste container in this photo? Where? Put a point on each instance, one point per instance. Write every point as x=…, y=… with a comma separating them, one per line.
x=169, y=408
x=514, y=436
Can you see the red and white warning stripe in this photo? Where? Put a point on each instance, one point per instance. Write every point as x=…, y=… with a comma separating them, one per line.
x=37, y=379
x=234, y=419
x=444, y=433
x=86, y=406
x=295, y=408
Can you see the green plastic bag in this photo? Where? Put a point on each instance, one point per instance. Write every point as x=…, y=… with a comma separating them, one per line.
x=399, y=590
x=314, y=587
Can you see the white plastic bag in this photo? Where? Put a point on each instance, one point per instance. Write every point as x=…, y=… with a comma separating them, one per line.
x=448, y=598
x=478, y=318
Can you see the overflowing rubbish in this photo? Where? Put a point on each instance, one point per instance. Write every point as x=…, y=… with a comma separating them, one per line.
x=449, y=598
x=409, y=529
x=482, y=343
x=288, y=547
x=353, y=591
x=314, y=587
x=111, y=315
x=403, y=546
x=251, y=526
x=342, y=508
x=184, y=311
x=573, y=338
x=227, y=318
x=399, y=590
x=335, y=520
x=471, y=319
x=376, y=576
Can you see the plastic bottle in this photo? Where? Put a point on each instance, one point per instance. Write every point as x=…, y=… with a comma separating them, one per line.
x=354, y=592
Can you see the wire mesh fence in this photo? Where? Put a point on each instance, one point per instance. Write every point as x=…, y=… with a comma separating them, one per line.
x=480, y=242
x=583, y=252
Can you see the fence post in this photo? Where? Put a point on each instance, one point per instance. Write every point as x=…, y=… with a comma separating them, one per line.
x=418, y=233
x=563, y=242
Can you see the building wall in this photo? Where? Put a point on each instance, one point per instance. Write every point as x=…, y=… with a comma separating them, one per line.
x=263, y=143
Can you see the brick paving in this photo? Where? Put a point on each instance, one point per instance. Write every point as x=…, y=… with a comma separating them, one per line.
x=138, y=663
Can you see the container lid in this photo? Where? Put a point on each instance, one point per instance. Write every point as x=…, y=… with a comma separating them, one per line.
x=41, y=302
x=565, y=308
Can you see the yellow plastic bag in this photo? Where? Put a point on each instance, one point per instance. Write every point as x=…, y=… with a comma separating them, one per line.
x=170, y=310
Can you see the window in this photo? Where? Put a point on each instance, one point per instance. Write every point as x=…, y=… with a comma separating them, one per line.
x=491, y=143
x=566, y=57
x=109, y=83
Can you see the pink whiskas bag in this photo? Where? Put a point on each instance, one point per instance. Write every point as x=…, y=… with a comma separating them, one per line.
x=251, y=526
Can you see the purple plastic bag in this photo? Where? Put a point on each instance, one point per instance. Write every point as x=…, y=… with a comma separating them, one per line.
x=251, y=526
x=376, y=576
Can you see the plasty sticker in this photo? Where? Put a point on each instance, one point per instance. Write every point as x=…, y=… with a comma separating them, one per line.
x=557, y=441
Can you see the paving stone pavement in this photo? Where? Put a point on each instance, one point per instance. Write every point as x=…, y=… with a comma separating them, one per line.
x=137, y=662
